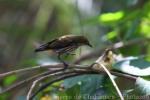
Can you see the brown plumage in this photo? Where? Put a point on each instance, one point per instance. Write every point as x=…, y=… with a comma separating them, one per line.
x=64, y=44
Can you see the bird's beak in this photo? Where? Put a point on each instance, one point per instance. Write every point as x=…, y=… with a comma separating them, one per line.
x=90, y=45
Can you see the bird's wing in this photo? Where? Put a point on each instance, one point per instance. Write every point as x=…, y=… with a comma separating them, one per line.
x=60, y=43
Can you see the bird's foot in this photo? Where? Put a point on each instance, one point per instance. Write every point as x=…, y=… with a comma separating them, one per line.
x=65, y=65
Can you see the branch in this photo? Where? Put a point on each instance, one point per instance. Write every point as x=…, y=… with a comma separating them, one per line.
x=29, y=79
x=77, y=72
x=28, y=69
x=58, y=65
x=82, y=69
x=112, y=80
x=42, y=78
x=78, y=69
x=97, y=53
x=104, y=62
x=53, y=81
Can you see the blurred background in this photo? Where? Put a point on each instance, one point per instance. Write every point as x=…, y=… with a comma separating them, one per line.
x=24, y=24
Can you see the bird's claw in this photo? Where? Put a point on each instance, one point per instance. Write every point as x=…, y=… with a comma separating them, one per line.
x=65, y=65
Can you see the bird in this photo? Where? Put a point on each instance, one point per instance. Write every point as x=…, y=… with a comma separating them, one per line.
x=64, y=45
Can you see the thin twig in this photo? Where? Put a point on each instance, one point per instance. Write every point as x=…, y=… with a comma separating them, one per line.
x=53, y=81
x=97, y=53
x=27, y=69
x=102, y=62
x=29, y=79
x=45, y=77
x=78, y=72
x=78, y=68
x=58, y=65
x=40, y=79
x=112, y=80
x=127, y=76
x=17, y=71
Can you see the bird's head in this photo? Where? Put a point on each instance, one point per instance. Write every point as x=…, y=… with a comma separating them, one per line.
x=88, y=43
x=84, y=41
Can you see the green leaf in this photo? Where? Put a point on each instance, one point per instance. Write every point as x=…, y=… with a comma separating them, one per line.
x=134, y=66
x=143, y=86
x=72, y=93
x=111, y=35
x=145, y=27
x=9, y=80
x=111, y=17
x=85, y=81
x=4, y=96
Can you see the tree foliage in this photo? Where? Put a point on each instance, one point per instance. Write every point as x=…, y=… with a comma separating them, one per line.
x=24, y=24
